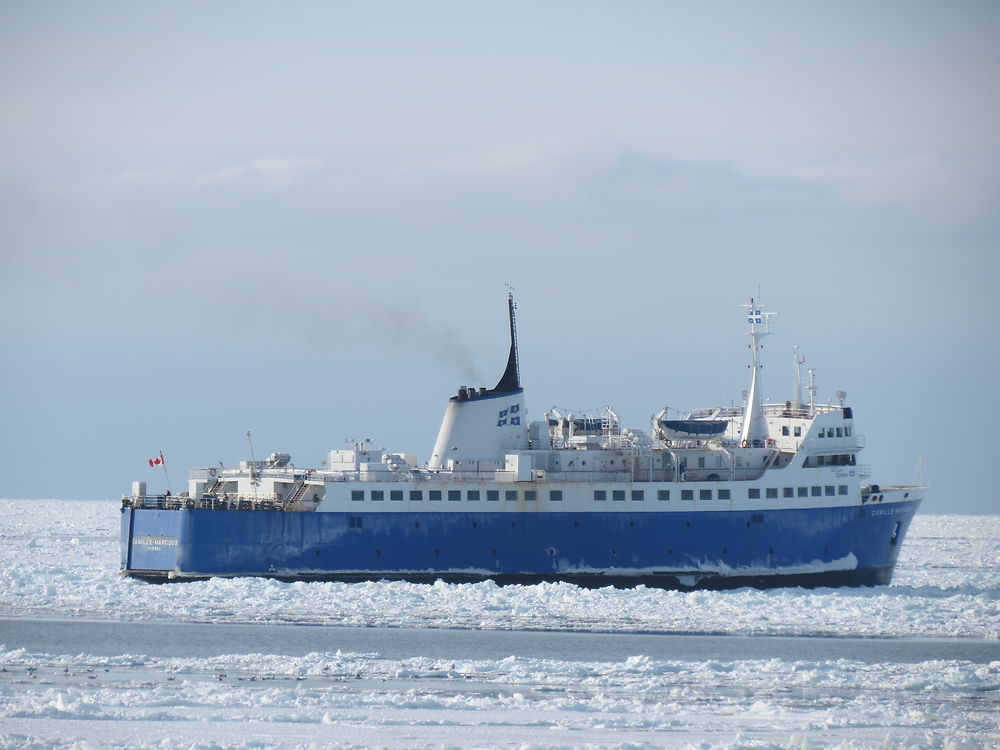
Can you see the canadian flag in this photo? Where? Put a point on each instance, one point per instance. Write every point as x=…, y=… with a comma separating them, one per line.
x=158, y=461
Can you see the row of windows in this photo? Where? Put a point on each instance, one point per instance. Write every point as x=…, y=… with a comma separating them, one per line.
x=771, y=493
x=824, y=432
x=417, y=496
x=829, y=432
x=639, y=495
x=837, y=459
x=753, y=493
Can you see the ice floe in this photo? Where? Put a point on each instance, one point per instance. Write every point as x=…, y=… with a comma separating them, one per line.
x=59, y=559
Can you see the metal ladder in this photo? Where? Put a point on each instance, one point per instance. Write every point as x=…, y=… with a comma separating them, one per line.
x=300, y=491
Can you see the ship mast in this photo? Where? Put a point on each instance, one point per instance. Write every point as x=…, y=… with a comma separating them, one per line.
x=797, y=363
x=812, y=392
x=754, y=432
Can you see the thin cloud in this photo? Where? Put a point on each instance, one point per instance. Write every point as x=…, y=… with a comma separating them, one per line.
x=274, y=172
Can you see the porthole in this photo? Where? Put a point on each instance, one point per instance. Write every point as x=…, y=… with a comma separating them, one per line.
x=614, y=551
x=378, y=553
x=437, y=553
x=551, y=551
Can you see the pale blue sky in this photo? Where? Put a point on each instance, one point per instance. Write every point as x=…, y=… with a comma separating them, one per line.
x=299, y=219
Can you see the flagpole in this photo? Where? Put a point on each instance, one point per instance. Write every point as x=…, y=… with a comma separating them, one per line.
x=165, y=475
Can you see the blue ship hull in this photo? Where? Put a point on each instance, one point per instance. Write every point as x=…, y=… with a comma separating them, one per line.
x=819, y=546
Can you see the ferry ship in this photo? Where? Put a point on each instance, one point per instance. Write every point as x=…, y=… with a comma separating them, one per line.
x=761, y=495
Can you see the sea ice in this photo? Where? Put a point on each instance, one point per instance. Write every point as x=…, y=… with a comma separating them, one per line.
x=58, y=559
x=947, y=585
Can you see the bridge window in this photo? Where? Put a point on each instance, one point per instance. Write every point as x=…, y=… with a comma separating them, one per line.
x=416, y=496
x=663, y=494
x=434, y=495
x=687, y=494
x=492, y=495
x=618, y=496
x=511, y=495
x=724, y=494
x=707, y=494
x=378, y=495
x=788, y=492
x=638, y=496
x=600, y=495
x=784, y=430
x=357, y=495
x=454, y=495
x=396, y=495
x=771, y=493
x=753, y=493
x=841, y=489
x=473, y=495
x=529, y=495
x=798, y=431
x=828, y=490
x=555, y=496
x=817, y=491
x=803, y=492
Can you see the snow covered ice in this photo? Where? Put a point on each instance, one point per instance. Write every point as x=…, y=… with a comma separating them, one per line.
x=60, y=559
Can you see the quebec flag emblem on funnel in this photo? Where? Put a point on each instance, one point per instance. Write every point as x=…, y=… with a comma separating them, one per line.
x=503, y=418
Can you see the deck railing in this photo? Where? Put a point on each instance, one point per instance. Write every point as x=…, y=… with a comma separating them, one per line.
x=261, y=501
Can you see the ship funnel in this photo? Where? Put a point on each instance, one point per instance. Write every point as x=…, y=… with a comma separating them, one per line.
x=510, y=381
x=485, y=423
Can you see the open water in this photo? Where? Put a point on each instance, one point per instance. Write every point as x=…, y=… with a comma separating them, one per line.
x=200, y=640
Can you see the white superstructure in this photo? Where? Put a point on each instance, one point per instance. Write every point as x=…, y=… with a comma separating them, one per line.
x=759, y=455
